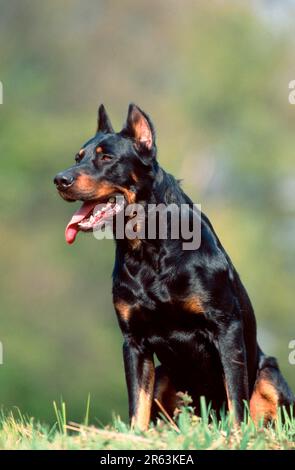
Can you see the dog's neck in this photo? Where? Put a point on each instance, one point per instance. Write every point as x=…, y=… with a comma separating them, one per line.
x=158, y=188
x=161, y=187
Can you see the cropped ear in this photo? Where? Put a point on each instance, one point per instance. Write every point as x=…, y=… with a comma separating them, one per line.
x=103, y=121
x=140, y=128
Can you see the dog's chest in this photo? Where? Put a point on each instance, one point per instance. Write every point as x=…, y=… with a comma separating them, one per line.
x=151, y=301
x=159, y=304
x=147, y=284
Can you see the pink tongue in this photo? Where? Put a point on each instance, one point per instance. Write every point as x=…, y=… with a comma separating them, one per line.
x=72, y=228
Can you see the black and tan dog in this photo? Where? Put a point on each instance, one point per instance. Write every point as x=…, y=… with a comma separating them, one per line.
x=188, y=308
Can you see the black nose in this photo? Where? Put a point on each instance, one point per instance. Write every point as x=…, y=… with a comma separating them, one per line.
x=63, y=181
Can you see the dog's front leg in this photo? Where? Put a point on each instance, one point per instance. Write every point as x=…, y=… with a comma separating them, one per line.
x=140, y=378
x=234, y=362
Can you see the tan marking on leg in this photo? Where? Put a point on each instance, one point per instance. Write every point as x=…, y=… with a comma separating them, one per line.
x=229, y=401
x=123, y=310
x=264, y=402
x=141, y=419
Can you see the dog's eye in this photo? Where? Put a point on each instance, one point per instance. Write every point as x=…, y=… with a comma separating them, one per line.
x=106, y=157
x=79, y=155
x=78, y=158
x=101, y=156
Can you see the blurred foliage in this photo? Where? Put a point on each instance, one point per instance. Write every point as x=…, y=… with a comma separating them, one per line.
x=214, y=77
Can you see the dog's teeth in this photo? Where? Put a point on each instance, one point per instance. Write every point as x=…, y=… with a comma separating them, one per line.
x=91, y=220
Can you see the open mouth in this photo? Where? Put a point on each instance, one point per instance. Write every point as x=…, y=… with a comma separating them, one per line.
x=93, y=215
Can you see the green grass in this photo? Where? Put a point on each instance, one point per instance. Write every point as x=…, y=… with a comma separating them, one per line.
x=188, y=432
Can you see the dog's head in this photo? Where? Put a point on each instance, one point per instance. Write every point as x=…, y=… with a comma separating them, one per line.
x=108, y=165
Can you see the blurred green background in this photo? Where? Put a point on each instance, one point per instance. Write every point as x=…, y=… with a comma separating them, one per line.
x=214, y=76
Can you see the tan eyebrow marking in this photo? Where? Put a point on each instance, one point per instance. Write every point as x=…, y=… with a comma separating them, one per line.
x=98, y=150
x=81, y=152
